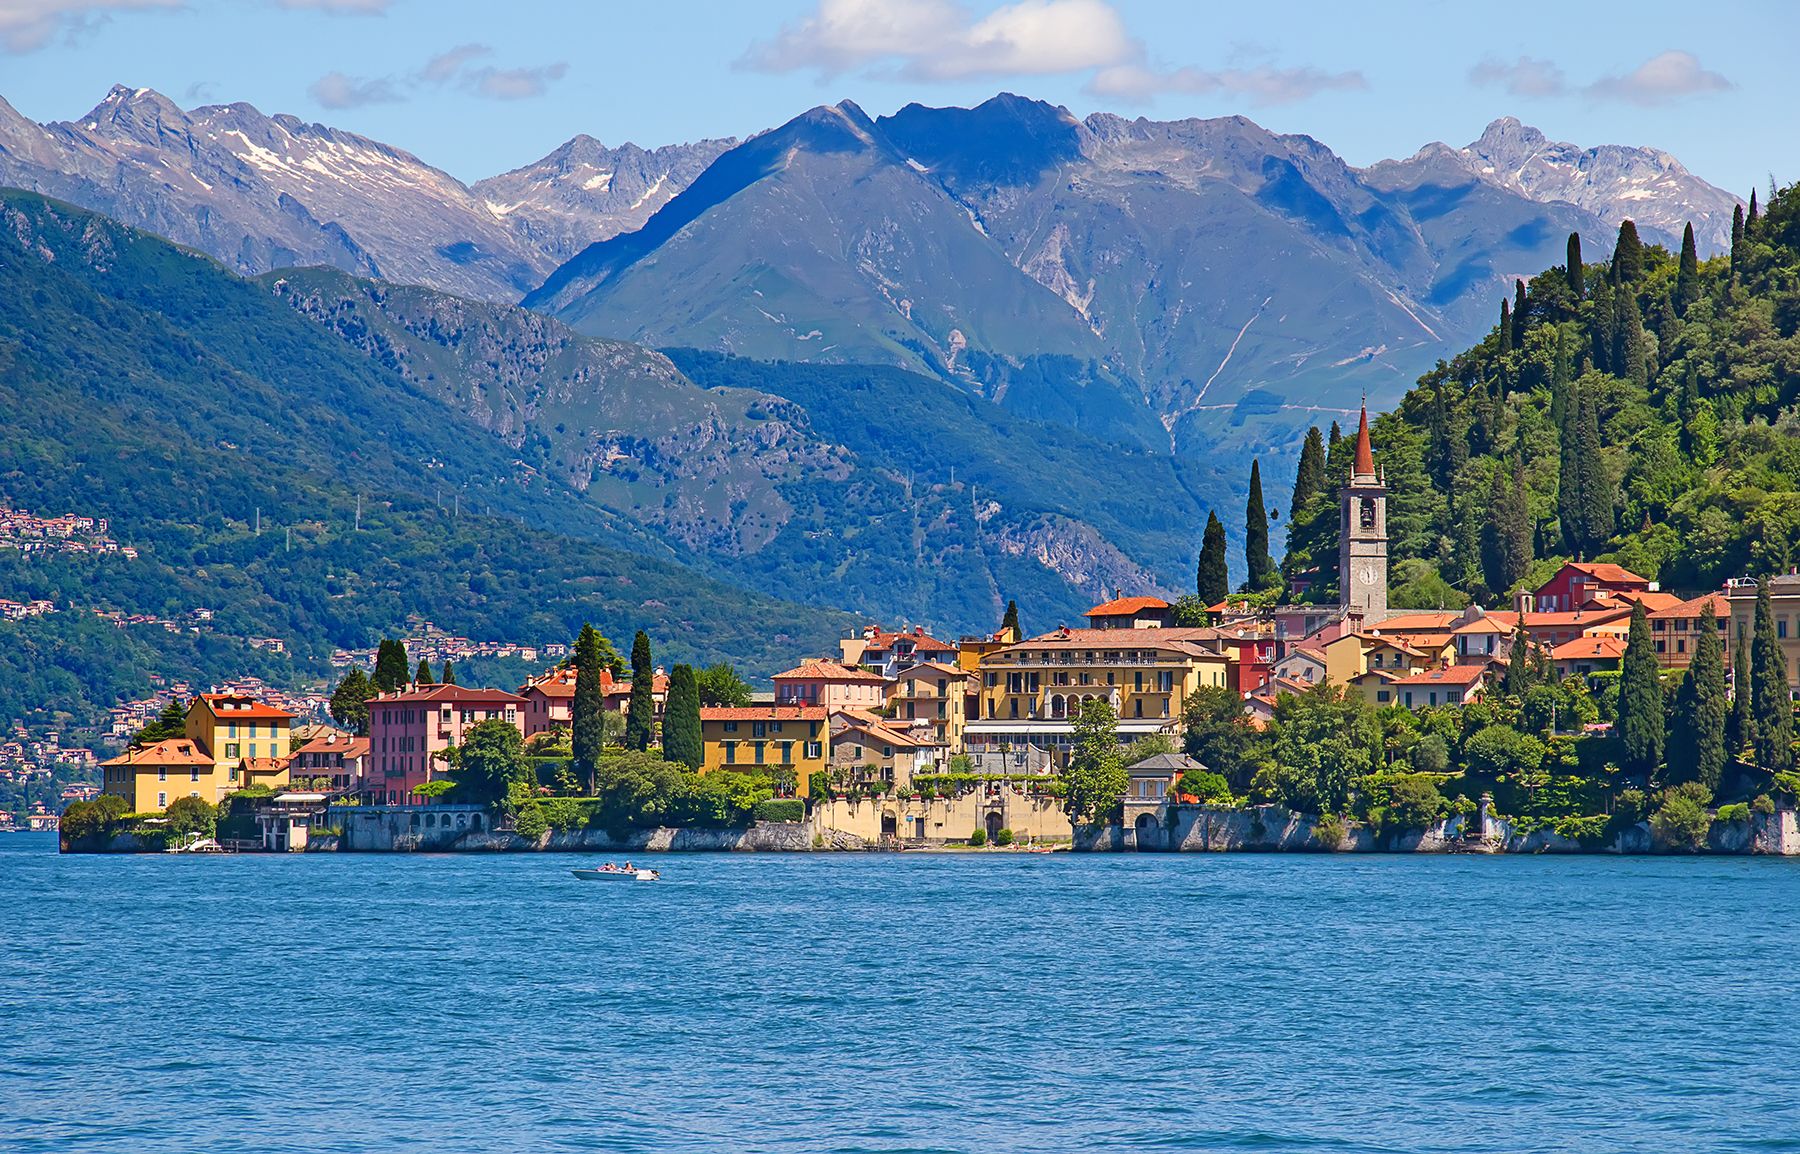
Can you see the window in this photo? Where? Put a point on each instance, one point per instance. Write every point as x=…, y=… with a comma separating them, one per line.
x=787, y=753
x=194, y=774
x=162, y=774
x=759, y=752
x=814, y=749
x=759, y=729
x=162, y=801
x=730, y=753
x=1382, y=696
x=730, y=727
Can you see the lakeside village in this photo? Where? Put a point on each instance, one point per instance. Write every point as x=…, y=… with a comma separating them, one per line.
x=1599, y=713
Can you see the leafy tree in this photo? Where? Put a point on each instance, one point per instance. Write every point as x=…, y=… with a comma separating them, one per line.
x=190, y=817
x=1771, y=698
x=640, y=714
x=1011, y=619
x=1216, y=733
x=587, y=731
x=1318, y=743
x=1573, y=268
x=423, y=676
x=681, y=738
x=1497, y=751
x=390, y=666
x=1212, y=584
x=1569, y=473
x=1682, y=820
x=490, y=759
x=720, y=685
x=1096, y=777
x=350, y=701
x=1207, y=787
x=1430, y=754
x=1189, y=612
x=1256, y=536
x=1413, y=803
x=1640, y=722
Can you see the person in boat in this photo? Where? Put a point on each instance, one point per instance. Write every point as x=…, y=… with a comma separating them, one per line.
x=629, y=868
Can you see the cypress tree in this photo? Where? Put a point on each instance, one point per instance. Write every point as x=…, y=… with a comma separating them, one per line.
x=1011, y=620
x=681, y=719
x=1506, y=535
x=1640, y=701
x=1601, y=328
x=1334, y=447
x=1709, y=705
x=1750, y=220
x=1568, y=476
x=1740, y=730
x=640, y=715
x=449, y=675
x=1309, y=479
x=423, y=676
x=1576, y=273
x=1687, y=275
x=1211, y=581
x=1506, y=327
x=587, y=729
x=1630, y=358
x=1518, y=662
x=1596, y=488
x=390, y=666
x=1628, y=255
x=1771, y=700
x=1261, y=569
x=1737, y=239
x=1521, y=307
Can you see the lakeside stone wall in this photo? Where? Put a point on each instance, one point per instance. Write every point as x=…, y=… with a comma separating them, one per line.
x=392, y=830
x=1274, y=829
x=921, y=822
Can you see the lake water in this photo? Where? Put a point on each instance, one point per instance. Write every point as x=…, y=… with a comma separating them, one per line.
x=887, y=1003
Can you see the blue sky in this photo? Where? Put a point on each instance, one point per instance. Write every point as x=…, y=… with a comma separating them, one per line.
x=478, y=87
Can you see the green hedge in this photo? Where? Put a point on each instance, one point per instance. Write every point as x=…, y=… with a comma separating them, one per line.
x=779, y=809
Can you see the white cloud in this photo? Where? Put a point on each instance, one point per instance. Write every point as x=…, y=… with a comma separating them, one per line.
x=1032, y=37
x=27, y=25
x=513, y=83
x=1526, y=77
x=1659, y=80
x=1260, y=85
x=445, y=66
x=336, y=90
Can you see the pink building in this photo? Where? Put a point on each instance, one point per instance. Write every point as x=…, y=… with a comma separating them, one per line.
x=550, y=700
x=831, y=684
x=408, y=729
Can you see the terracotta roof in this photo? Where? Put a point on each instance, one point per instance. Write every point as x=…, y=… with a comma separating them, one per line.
x=1606, y=571
x=174, y=751
x=450, y=695
x=1417, y=622
x=1601, y=648
x=1694, y=608
x=762, y=713
x=343, y=746
x=920, y=639
x=254, y=765
x=556, y=689
x=1188, y=641
x=1126, y=606
x=232, y=705
x=936, y=666
x=1652, y=601
x=1453, y=675
x=1365, y=454
x=1576, y=617
x=888, y=736
x=823, y=669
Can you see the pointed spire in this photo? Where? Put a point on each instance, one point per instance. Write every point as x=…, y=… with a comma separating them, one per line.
x=1365, y=456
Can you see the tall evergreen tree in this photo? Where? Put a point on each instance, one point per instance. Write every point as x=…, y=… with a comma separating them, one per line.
x=1505, y=327
x=1630, y=357
x=587, y=728
x=1628, y=255
x=1601, y=327
x=1771, y=698
x=1506, y=535
x=1309, y=479
x=1696, y=750
x=1211, y=581
x=1577, y=274
x=1596, y=486
x=390, y=666
x=681, y=740
x=448, y=677
x=1520, y=310
x=1011, y=620
x=1737, y=240
x=1518, y=662
x=1640, y=714
x=1740, y=730
x=423, y=676
x=640, y=714
x=1687, y=276
x=350, y=701
x=1260, y=567
x=1568, y=474
x=1751, y=218
x=1334, y=448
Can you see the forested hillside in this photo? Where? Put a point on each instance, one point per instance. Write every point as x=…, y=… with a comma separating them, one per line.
x=1645, y=410
x=146, y=384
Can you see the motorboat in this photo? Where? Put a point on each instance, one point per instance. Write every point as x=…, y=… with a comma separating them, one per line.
x=613, y=873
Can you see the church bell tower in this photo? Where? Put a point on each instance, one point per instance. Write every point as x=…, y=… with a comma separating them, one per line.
x=1362, y=535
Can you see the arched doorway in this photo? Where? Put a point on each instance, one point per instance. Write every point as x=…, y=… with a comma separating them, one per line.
x=995, y=823
x=1149, y=832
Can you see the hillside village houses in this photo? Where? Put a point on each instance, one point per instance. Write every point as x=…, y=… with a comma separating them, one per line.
x=893, y=705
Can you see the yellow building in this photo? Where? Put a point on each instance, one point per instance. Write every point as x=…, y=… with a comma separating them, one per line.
x=1030, y=692
x=769, y=738
x=936, y=693
x=155, y=775
x=234, y=728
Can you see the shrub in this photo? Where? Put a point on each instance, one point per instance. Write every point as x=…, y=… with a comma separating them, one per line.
x=531, y=822
x=978, y=838
x=1328, y=831
x=1764, y=804
x=1736, y=811
x=1681, y=820
x=779, y=809
x=1211, y=788
x=1631, y=806
x=563, y=814
x=1004, y=837
x=191, y=816
x=1430, y=754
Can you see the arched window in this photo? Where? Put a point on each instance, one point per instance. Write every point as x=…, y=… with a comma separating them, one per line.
x=1367, y=513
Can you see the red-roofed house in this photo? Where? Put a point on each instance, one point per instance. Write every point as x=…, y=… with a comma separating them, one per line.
x=1586, y=656
x=407, y=730
x=1130, y=613
x=1454, y=685
x=337, y=756
x=1676, y=629
x=1577, y=583
x=831, y=684
x=880, y=651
